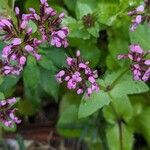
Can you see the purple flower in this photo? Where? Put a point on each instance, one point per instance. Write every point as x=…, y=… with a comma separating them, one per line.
x=140, y=15
x=78, y=76
x=21, y=44
x=140, y=64
x=7, y=113
x=48, y=22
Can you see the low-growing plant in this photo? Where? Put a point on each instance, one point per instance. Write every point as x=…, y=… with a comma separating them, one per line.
x=93, y=60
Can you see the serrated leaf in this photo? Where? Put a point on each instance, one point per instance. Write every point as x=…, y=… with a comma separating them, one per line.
x=121, y=83
x=93, y=103
x=129, y=86
x=107, y=13
x=111, y=77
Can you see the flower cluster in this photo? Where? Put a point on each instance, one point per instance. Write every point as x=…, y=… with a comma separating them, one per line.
x=79, y=76
x=21, y=44
x=20, y=38
x=7, y=113
x=140, y=66
x=48, y=22
x=140, y=15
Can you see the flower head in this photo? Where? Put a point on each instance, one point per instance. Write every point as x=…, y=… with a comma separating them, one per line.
x=7, y=113
x=140, y=65
x=21, y=44
x=140, y=15
x=78, y=76
x=48, y=22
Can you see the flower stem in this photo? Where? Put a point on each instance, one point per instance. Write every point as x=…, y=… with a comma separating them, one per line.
x=119, y=124
x=120, y=134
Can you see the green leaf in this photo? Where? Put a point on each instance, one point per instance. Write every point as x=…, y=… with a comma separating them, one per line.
x=111, y=77
x=11, y=3
x=31, y=79
x=119, y=108
x=70, y=4
x=129, y=86
x=26, y=108
x=68, y=124
x=34, y=4
x=93, y=103
x=121, y=84
x=108, y=13
x=47, y=63
x=33, y=26
x=113, y=11
x=2, y=97
x=31, y=74
x=49, y=83
x=141, y=36
x=76, y=29
x=1, y=80
x=111, y=63
x=8, y=83
x=142, y=123
x=118, y=41
x=68, y=99
x=55, y=58
x=7, y=9
x=115, y=141
x=94, y=31
x=84, y=7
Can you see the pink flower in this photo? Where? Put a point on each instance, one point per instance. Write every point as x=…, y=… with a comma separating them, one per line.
x=21, y=44
x=140, y=8
x=78, y=76
x=29, y=48
x=17, y=10
x=16, y=41
x=7, y=113
x=139, y=63
x=139, y=15
x=22, y=60
x=48, y=22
